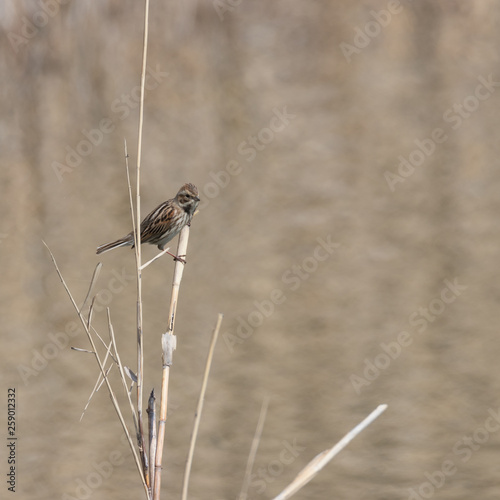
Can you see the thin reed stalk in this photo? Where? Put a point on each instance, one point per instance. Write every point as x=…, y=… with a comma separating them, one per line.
x=168, y=347
x=138, y=255
x=320, y=460
x=253, y=449
x=152, y=435
x=199, y=406
x=103, y=371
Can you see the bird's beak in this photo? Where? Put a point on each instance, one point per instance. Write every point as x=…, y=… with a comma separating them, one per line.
x=196, y=198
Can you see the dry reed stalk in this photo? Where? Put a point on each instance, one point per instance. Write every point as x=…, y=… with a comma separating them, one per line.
x=121, y=371
x=320, y=460
x=103, y=371
x=199, y=407
x=152, y=435
x=157, y=256
x=99, y=380
x=253, y=449
x=95, y=275
x=140, y=344
x=168, y=346
x=136, y=222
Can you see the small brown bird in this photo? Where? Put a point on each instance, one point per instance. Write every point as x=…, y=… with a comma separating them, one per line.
x=164, y=222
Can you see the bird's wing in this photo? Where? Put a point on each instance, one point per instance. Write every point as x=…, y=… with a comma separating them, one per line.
x=157, y=222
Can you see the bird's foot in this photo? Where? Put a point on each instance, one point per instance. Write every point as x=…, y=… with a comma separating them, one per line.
x=178, y=257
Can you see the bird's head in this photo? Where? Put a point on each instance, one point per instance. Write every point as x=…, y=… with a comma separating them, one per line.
x=187, y=198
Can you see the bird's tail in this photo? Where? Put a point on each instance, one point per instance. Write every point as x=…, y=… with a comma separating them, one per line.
x=115, y=244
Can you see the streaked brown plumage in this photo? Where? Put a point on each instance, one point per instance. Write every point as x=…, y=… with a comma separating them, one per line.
x=164, y=222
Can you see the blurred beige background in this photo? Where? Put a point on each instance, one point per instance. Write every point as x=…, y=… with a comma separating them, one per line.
x=347, y=158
